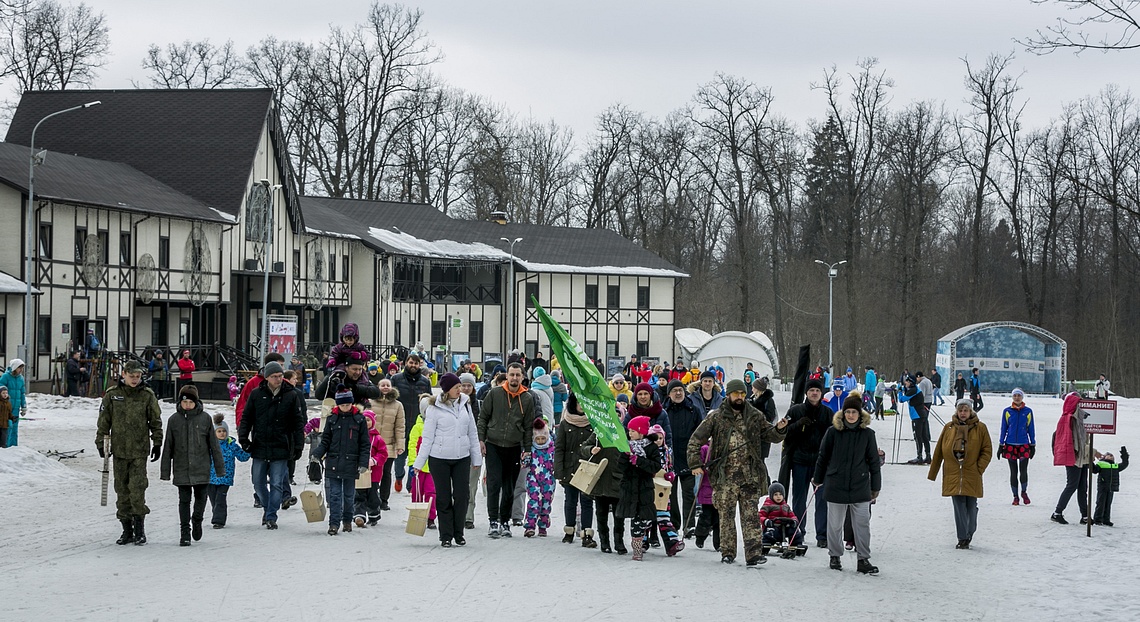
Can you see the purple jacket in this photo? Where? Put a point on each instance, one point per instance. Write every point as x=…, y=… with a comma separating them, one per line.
x=705, y=491
x=342, y=354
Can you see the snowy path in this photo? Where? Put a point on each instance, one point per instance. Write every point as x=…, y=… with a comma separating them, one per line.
x=60, y=562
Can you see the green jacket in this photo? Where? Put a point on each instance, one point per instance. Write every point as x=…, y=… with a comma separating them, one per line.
x=716, y=430
x=506, y=421
x=190, y=447
x=128, y=415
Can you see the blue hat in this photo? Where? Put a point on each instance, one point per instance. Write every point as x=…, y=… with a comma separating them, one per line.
x=343, y=395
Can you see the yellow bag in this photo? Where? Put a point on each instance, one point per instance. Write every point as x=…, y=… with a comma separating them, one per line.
x=588, y=474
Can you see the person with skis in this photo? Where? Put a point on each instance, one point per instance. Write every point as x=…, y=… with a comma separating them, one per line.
x=734, y=433
x=849, y=458
x=189, y=454
x=572, y=433
x=1107, y=485
x=808, y=422
x=1018, y=443
x=130, y=414
x=965, y=444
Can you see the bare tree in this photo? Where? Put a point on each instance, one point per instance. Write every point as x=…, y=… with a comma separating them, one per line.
x=193, y=65
x=50, y=46
x=1095, y=25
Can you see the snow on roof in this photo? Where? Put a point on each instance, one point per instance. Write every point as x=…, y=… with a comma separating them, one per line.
x=224, y=215
x=407, y=244
x=534, y=266
x=331, y=234
x=11, y=285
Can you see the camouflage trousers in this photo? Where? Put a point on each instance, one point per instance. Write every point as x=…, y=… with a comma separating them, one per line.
x=130, y=487
x=727, y=497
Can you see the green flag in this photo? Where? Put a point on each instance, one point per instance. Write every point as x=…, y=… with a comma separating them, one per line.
x=587, y=384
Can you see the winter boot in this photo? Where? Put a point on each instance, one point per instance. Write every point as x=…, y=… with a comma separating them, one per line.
x=196, y=529
x=359, y=520
x=140, y=532
x=675, y=548
x=619, y=545
x=588, y=539
x=865, y=567
x=1016, y=501
x=529, y=533
x=346, y=526
x=569, y=537
x=604, y=540
x=638, y=546
x=1058, y=518
x=835, y=564
x=334, y=529
x=184, y=539
x=1025, y=497
x=128, y=532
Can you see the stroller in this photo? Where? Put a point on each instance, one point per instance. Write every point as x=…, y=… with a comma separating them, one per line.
x=780, y=535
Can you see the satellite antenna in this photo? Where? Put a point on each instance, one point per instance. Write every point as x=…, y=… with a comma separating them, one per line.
x=145, y=278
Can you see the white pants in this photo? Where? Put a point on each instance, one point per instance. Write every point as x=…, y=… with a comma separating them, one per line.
x=860, y=524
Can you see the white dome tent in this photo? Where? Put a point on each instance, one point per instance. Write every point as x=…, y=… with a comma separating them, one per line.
x=732, y=350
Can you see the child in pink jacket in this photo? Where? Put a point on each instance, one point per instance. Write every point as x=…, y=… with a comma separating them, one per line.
x=367, y=505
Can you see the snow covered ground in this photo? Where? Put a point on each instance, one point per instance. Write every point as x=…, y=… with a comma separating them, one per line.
x=59, y=560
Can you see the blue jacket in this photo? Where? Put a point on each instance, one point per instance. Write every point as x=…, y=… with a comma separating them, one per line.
x=16, y=393
x=975, y=384
x=1017, y=426
x=912, y=398
x=230, y=451
x=870, y=382
x=850, y=383
x=560, y=395
x=834, y=403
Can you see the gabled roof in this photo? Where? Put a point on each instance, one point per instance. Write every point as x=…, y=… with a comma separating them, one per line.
x=83, y=181
x=201, y=143
x=420, y=230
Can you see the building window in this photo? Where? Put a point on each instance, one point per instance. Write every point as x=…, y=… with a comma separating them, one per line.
x=642, y=296
x=613, y=296
x=530, y=348
x=592, y=346
x=297, y=263
x=413, y=336
x=344, y=268
x=45, y=240
x=164, y=252
x=80, y=241
x=124, y=249
x=475, y=334
x=4, y=336
x=158, y=331
x=531, y=292
x=332, y=266
x=611, y=348
x=125, y=335
x=43, y=335
x=104, y=247
x=592, y=296
x=397, y=338
x=438, y=333
x=642, y=349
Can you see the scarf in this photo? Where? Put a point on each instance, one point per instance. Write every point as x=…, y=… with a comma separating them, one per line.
x=961, y=432
x=637, y=447
x=578, y=421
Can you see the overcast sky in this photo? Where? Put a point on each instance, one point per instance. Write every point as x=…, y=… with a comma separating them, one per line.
x=567, y=61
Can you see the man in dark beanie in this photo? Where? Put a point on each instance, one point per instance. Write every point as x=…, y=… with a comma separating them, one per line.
x=734, y=432
x=807, y=423
x=706, y=396
x=684, y=416
x=272, y=432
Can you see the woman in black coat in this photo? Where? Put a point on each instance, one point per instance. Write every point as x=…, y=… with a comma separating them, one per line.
x=849, y=460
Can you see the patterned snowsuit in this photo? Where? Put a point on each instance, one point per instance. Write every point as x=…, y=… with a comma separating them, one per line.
x=539, y=485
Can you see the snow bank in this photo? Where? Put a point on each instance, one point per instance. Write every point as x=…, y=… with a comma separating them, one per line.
x=23, y=465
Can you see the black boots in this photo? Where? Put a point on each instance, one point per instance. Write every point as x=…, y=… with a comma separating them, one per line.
x=604, y=540
x=835, y=564
x=865, y=567
x=588, y=539
x=619, y=546
x=128, y=532
x=140, y=533
x=184, y=539
x=196, y=529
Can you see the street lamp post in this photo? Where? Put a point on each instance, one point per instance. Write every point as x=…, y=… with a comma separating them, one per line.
x=25, y=349
x=832, y=272
x=511, y=295
x=268, y=258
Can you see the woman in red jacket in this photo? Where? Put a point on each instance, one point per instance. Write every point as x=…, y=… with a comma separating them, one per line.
x=185, y=369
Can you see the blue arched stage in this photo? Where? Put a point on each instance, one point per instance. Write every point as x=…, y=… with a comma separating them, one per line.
x=1007, y=355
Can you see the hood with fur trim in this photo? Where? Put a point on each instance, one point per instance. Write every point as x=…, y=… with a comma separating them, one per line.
x=390, y=396
x=864, y=420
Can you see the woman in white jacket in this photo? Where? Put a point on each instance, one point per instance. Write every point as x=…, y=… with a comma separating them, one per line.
x=450, y=446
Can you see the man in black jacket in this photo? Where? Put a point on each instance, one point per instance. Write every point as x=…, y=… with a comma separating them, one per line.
x=272, y=431
x=411, y=384
x=764, y=401
x=684, y=417
x=808, y=422
x=76, y=374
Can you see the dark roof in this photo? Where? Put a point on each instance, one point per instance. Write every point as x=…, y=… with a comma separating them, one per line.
x=405, y=227
x=202, y=143
x=84, y=181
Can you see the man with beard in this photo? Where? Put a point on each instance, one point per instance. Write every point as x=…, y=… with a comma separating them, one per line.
x=739, y=477
x=807, y=423
x=506, y=418
x=684, y=417
x=411, y=383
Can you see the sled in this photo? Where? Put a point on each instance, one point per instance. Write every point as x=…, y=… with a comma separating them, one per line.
x=588, y=474
x=784, y=548
x=313, y=503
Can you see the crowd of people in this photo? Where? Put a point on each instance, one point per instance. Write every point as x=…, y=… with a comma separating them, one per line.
x=696, y=464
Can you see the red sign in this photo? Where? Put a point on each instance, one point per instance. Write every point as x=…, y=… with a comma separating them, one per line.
x=1099, y=416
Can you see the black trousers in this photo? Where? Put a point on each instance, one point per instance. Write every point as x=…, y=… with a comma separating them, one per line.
x=217, y=494
x=386, y=481
x=604, y=507
x=709, y=523
x=686, y=483
x=502, y=471
x=1076, y=480
x=367, y=502
x=1103, y=502
x=184, y=514
x=1015, y=466
x=452, y=480
x=921, y=427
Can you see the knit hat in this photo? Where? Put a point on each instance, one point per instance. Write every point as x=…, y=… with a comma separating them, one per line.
x=467, y=378
x=814, y=383
x=220, y=423
x=373, y=367
x=498, y=369
x=447, y=381
x=132, y=367
x=658, y=430
x=675, y=384
x=537, y=372
x=708, y=374
x=539, y=425
x=734, y=385
x=853, y=401
x=343, y=395
x=777, y=487
x=617, y=377
x=639, y=425
x=964, y=402
x=188, y=390
x=622, y=397
x=643, y=386
x=393, y=368
x=1017, y=391
x=371, y=416
x=272, y=367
